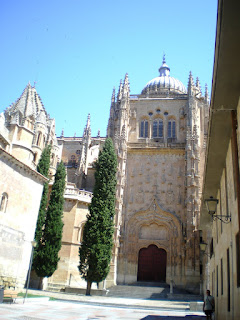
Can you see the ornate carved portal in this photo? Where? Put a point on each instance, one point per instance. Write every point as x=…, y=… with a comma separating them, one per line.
x=152, y=264
x=151, y=246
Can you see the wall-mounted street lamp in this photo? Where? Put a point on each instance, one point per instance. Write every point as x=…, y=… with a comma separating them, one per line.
x=211, y=205
x=203, y=247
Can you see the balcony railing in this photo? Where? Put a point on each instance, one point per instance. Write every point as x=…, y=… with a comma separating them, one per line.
x=80, y=195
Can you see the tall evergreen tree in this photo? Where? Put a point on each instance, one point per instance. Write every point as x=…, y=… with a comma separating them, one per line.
x=43, y=168
x=47, y=258
x=96, y=247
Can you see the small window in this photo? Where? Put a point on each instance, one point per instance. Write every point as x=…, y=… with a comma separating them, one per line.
x=39, y=139
x=144, y=129
x=80, y=233
x=211, y=248
x=35, y=157
x=72, y=162
x=4, y=201
x=52, y=158
x=171, y=129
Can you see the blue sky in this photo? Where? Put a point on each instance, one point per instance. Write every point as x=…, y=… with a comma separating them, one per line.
x=77, y=51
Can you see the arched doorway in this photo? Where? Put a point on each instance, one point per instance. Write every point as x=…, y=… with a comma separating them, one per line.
x=152, y=263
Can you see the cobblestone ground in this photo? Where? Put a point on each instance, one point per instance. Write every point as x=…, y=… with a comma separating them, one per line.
x=62, y=310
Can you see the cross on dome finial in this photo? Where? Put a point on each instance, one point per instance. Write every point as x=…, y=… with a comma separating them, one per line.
x=164, y=58
x=164, y=70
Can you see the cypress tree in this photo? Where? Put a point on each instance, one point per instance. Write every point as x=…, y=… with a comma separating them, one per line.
x=43, y=168
x=96, y=247
x=47, y=258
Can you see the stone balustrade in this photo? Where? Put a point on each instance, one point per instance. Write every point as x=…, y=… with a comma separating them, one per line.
x=80, y=195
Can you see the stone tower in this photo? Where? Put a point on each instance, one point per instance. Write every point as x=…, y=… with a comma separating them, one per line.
x=159, y=137
x=28, y=129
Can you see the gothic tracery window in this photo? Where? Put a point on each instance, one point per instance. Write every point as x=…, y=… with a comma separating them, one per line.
x=158, y=128
x=144, y=129
x=3, y=202
x=171, y=129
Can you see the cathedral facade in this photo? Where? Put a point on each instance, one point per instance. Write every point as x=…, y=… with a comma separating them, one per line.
x=159, y=137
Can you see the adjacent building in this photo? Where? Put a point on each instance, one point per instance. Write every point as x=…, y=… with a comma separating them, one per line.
x=25, y=129
x=221, y=226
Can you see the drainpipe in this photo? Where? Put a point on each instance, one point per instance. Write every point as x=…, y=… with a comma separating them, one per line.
x=231, y=245
x=237, y=177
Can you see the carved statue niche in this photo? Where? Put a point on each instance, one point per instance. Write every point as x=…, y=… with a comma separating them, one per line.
x=182, y=118
x=132, y=121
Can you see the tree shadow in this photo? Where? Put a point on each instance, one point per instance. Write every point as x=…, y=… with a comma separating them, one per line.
x=188, y=317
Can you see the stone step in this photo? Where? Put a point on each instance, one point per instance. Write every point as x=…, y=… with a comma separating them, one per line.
x=153, y=291
x=55, y=287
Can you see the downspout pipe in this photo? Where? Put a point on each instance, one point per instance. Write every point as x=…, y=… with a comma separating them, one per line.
x=237, y=180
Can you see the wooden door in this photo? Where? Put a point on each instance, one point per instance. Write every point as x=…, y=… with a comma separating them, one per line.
x=152, y=264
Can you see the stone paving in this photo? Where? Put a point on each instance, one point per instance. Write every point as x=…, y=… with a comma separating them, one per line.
x=65, y=310
x=128, y=303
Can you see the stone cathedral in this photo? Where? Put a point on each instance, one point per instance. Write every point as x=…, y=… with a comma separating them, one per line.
x=159, y=137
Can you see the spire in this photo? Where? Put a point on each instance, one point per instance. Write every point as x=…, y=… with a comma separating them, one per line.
x=164, y=70
x=119, y=96
x=125, y=90
x=87, y=130
x=190, y=84
x=197, y=83
x=198, y=87
x=113, y=102
x=113, y=97
x=206, y=94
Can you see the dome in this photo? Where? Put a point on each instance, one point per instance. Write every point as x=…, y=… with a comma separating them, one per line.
x=164, y=83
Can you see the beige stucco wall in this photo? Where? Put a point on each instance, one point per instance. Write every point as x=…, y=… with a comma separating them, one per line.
x=224, y=238
x=18, y=223
x=67, y=273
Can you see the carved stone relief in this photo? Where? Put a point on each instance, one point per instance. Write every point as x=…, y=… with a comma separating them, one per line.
x=153, y=232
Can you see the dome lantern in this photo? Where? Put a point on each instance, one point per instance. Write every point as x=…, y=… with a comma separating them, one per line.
x=164, y=70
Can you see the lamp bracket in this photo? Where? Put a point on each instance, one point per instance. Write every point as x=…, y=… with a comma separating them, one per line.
x=224, y=219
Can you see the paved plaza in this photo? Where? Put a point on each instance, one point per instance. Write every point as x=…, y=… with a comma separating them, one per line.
x=76, y=307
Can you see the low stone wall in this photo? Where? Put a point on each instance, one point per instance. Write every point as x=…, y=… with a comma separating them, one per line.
x=94, y=292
